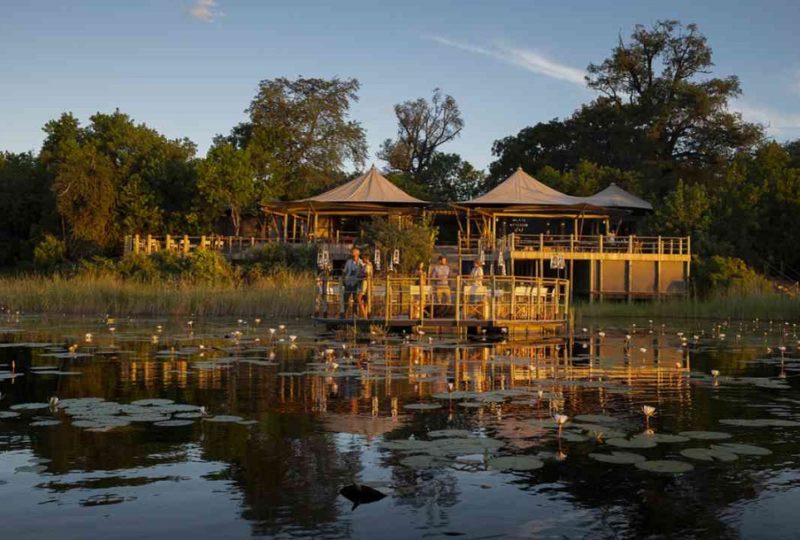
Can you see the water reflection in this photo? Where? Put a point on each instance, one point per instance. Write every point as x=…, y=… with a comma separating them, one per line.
x=423, y=419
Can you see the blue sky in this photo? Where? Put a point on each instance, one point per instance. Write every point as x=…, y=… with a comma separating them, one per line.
x=190, y=67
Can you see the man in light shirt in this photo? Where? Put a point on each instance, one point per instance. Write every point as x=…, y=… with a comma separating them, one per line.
x=440, y=276
x=352, y=276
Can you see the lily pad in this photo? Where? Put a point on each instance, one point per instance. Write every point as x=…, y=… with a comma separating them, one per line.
x=422, y=406
x=152, y=402
x=516, y=463
x=29, y=406
x=709, y=454
x=705, y=435
x=759, y=422
x=665, y=466
x=223, y=418
x=8, y=414
x=174, y=423
x=45, y=423
x=618, y=458
x=635, y=442
x=742, y=449
x=663, y=437
x=596, y=418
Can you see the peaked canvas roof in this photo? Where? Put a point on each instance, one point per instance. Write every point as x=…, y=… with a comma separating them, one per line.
x=616, y=197
x=523, y=189
x=371, y=187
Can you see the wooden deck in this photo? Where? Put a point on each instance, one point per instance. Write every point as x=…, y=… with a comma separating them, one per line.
x=494, y=303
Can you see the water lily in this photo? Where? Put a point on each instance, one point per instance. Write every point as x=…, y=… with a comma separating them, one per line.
x=53, y=402
x=88, y=337
x=560, y=419
x=648, y=411
x=292, y=338
x=715, y=373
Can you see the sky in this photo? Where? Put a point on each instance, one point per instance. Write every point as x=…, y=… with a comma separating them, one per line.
x=189, y=68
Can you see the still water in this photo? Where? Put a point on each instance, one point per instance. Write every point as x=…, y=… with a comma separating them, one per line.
x=227, y=429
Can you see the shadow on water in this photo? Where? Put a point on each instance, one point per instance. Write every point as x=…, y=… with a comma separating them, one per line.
x=227, y=427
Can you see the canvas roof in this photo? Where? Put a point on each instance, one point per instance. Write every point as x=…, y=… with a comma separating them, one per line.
x=616, y=197
x=523, y=189
x=371, y=187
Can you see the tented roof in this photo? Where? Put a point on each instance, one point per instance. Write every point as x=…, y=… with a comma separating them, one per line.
x=523, y=189
x=616, y=197
x=371, y=187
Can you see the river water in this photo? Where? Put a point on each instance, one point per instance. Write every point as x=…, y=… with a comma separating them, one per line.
x=227, y=429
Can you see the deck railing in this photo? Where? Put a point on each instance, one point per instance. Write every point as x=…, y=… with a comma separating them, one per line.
x=569, y=243
x=501, y=300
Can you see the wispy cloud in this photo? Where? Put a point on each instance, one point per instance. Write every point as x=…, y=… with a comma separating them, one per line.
x=527, y=59
x=777, y=123
x=205, y=10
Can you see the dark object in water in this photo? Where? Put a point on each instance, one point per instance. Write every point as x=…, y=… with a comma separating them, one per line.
x=358, y=494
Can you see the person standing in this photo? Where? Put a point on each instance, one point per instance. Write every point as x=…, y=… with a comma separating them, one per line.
x=352, y=276
x=440, y=276
x=366, y=284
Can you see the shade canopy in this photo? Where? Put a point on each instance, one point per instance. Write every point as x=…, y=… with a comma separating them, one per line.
x=371, y=187
x=616, y=197
x=523, y=189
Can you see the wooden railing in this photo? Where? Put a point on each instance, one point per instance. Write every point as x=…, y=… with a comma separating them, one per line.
x=460, y=299
x=186, y=244
x=654, y=245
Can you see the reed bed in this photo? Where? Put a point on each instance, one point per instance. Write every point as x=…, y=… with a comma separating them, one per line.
x=282, y=295
x=766, y=306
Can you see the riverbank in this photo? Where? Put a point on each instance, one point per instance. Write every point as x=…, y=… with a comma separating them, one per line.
x=774, y=307
x=282, y=295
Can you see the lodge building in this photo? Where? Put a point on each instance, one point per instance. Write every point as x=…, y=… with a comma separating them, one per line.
x=520, y=228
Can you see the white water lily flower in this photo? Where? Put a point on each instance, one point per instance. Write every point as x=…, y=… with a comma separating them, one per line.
x=648, y=410
x=715, y=373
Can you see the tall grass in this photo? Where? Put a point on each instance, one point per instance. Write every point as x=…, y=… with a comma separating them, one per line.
x=766, y=306
x=282, y=295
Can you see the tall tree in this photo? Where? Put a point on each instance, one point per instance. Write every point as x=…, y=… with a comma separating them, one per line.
x=658, y=113
x=300, y=136
x=226, y=182
x=422, y=127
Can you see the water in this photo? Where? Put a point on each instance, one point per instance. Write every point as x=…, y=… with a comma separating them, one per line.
x=319, y=413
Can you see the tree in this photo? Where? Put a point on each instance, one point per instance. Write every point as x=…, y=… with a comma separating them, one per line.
x=299, y=135
x=588, y=178
x=85, y=196
x=226, y=182
x=686, y=212
x=422, y=128
x=450, y=178
x=657, y=114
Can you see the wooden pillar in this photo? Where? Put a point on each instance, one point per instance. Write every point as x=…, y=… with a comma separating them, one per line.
x=186, y=244
x=148, y=248
x=592, y=269
x=629, y=279
x=600, y=279
x=136, y=243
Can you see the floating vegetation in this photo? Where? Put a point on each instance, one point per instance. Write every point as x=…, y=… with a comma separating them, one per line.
x=596, y=418
x=662, y=437
x=618, y=458
x=423, y=462
x=515, y=463
x=45, y=423
x=705, y=435
x=759, y=422
x=635, y=442
x=174, y=423
x=29, y=406
x=422, y=406
x=223, y=419
x=449, y=433
x=709, y=454
x=665, y=466
x=742, y=449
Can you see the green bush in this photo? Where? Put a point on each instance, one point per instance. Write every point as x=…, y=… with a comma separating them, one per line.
x=49, y=253
x=204, y=266
x=724, y=276
x=415, y=240
x=274, y=257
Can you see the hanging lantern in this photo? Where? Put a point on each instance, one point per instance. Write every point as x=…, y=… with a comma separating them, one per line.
x=377, y=258
x=396, y=256
x=501, y=264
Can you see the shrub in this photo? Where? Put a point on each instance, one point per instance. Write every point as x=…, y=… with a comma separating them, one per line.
x=49, y=253
x=275, y=257
x=716, y=275
x=415, y=240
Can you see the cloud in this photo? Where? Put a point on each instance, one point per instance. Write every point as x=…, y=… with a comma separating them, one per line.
x=205, y=10
x=527, y=59
x=776, y=122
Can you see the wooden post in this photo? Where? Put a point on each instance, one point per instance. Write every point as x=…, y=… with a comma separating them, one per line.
x=202, y=242
x=186, y=244
x=458, y=299
x=136, y=243
x=149, y=244
x=592, y=270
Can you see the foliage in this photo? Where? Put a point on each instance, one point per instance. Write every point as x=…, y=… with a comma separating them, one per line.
x=588, y=178
x=26, y=207
x=422, y=128
x=415, y=240
x=300, y=136
x=656, y=115
x=728, y=276
x=226, y=183
x=270, y=258
x=685, y=212
x=49, y=253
